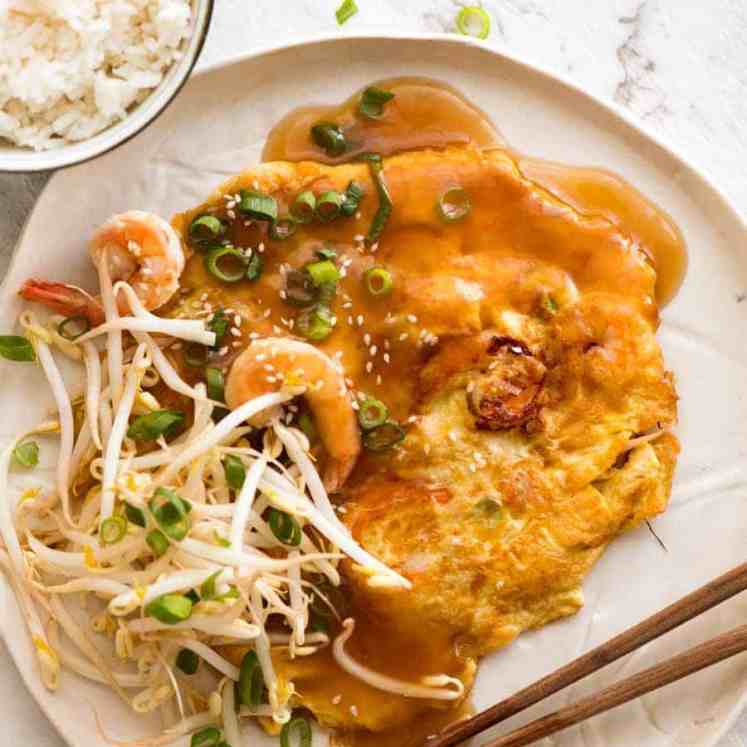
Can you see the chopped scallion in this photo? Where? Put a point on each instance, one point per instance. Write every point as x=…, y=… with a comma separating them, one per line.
x=285, y=527
x=218, y=324
x=188, y=661
x=324, y=271
x=157, y=542
x=372, y=413
x=26, y=454
x=372, y=101
x=383, y=436
x=254, y=266
x=206, y=229
x=16, y=348
x=352, y=200
x=328, y=206
x=346, y=11
x=282, y=228
x=170, y=511
x=381, y=217
x=210, y=736
x=134, y=515
x=258, y=205
x=330, y=138
x=300, y=726
x=378, y=281
x=215, y=384
x=196, y=355
x=473, y=21
x=227, y=263
x=207, y=590
x=158, y=423
x=235, y=471
x=251, y=683
x=73, y=327
x=113, y=529
x=304, y=207
x=454, y=204
x=170, y=609
x=300, y=289
x=316, y=323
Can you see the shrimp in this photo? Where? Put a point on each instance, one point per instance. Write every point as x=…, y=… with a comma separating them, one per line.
x=275, y=363
x=138, y=247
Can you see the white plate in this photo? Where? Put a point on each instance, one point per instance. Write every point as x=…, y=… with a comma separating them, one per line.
x=217, y=127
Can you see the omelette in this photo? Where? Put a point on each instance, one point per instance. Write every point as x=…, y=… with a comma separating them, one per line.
x=508, y=332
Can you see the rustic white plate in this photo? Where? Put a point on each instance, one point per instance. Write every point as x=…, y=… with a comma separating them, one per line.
x=218, y=125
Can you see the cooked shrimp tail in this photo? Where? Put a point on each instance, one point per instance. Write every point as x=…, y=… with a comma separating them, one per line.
x=65, y=299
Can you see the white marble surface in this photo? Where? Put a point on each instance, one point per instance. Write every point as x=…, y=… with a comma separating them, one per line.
x=680, y=65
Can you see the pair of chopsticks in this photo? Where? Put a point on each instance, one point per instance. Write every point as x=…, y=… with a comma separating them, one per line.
x=691, y=661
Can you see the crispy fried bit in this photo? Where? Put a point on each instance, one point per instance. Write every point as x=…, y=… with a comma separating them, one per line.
x=506, y=395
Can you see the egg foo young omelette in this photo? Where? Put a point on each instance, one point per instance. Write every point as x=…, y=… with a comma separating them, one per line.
x=401, y=390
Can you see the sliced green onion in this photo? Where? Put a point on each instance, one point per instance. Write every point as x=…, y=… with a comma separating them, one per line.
x=188, y=661
x=315, y=323
x=324, y=271
x=251, y=683
x=157, y=542
x=258, y=205
x=381, y=217
x=170, y=608
x=326, y=252
x=215, y=384
x=235, y=471
x=16, y=348
x=222, y=541
x=26, y=454
x=372, y=101
x=346, y=11
x=193, y=596
x=282, y=228
x=378, y=281
x=328, y=206
x=134, y=515
x=383, y=436
x=300, y=289
x=302, y=729
x=227, y=263
x=113, y=530
x=158, y=423
x=372, y=413
x=254, y=266
x=353, y=196
x=473, y=21
x=454, y=204
x=206, y=229
x=207, y=737
x=330, y=138
x=285, y=527
x=306, y=424
x=304, y=207
x=73, y=327
x=232, y=593
x=170, y=511
x=218, y=324
x=196, y=355
x=318, y=625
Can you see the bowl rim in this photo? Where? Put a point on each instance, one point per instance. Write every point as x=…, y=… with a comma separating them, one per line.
x=203, y=17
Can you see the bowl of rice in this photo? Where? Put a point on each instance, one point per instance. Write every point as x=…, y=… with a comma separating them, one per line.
x=80, y=77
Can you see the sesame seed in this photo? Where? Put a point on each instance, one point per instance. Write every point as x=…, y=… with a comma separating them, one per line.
x=354, y=711
x=254, y=335
x=267, y=313
x=366, y=339
x=231, y=214
x=412, y=319
x=358, y=215
x=235, y=332
x=412, y=419
x=272, y=379
x=359, y=320
x=387, y=359
x=267, y=366
x=378, y=379
x=403, y=336
x=283, y=295
x=359, y=238
x=473, y=467
x=336, y=699
x=277, y=330
x=369, y=367
x=347, y=305
x=350, y=321
x=204, y=297
x=386, y=344
x=355, y=405
x=236, y=344
x=261, y=356
x=373, y=350
x=223, y=350
x=261, y=248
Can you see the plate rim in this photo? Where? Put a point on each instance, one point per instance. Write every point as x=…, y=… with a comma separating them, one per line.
x=528, y=63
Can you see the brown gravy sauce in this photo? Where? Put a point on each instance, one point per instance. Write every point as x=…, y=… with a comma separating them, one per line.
x=430, y=114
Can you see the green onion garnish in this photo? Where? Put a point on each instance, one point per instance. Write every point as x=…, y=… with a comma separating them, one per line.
x=300, y=289
x=226, y=263
x=385, y=201
x=371, y=104
x=251, y=682
x=353, y=196
x=473, y=21
x=302, y=729
x=73, y=327
x=254, y=266
x=196, y=355
x=193, y=596
x=16, y=348
x=170, y=511
x=215, y=384
x=346, y=11
x=328, y=206
x=318, y=625
x=188, y=661
x=306, y=424
x=258, y=205
x=454, y=204
x=304, y=207
x=235, y=471
x=324, y=271
x=326, y=252
x=134, y=515
x=207, y=590
x=157, y=542
x=315, y=323
x=113, y=530
x=218, y=324
x=170, y=609
x=219, y=540
x=372, y=413
x=207, y=737
x=329, y=137
x=383, y=436
x=26, y=454
x=282, y=228
x=285, y=527
x=206, y=229
x=378, y=281
x=158, y=423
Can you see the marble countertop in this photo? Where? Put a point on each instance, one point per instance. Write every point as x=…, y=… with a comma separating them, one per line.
x=679, y=65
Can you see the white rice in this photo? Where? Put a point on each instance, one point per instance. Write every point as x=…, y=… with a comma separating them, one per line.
x=71, y=68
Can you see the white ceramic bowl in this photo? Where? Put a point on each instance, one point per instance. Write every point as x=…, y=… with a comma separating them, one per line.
x=14, y=158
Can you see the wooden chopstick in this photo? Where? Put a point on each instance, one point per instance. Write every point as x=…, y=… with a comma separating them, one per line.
x=708, y=596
